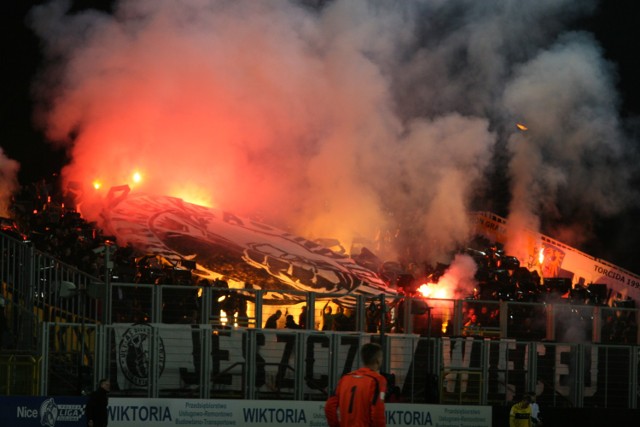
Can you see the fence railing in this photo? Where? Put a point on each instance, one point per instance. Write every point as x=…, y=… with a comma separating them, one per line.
x=203, y=341
x=19, y=375
x=36, y=287
x=205, y=361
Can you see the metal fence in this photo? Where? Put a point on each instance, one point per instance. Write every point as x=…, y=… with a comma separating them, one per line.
x=205, y=361
x=35, y=288
x=206, y=341
x=19, y=374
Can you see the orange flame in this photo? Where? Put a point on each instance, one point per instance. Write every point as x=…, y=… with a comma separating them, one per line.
x=193, y=194
x=433, y=290
x=541, y=256
x=521, y=127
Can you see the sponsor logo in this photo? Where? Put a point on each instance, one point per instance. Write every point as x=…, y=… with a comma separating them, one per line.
x=50, y=412
x=140, y=413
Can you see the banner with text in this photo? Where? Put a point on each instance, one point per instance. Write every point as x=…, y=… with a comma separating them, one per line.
x=141, y=412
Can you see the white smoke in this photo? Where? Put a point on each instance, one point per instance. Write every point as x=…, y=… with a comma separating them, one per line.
x=340, y=118
x=460, y=276
x=565, y=161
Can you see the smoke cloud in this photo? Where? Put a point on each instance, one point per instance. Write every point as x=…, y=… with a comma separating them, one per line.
x=460, y=277
x=349, y=119
x=564, y=163
x=8, y=182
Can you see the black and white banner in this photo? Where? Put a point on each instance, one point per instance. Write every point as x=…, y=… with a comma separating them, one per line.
x=224, y=244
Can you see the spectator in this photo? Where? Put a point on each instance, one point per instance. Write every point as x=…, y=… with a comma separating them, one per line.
x=302, y=318
x=290, y=323
x=472, y=326
x=373, y=317
x=468, y=315
x=272, y=321
x=341, y=321
x=327, y=317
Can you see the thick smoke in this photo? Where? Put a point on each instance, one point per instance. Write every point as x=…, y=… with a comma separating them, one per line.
x=344, y=118
x=460, y=277
x=8, y=182
x=565, y=162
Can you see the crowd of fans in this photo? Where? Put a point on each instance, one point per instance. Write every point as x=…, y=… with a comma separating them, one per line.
x=40, y=216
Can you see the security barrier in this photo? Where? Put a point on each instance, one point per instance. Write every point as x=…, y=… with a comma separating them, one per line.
x=204, y=361
x=202, y=342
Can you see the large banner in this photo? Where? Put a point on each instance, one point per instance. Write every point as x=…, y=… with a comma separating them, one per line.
x=507, y=367
x=141, y=412
x=224, y=244
x=176, y=351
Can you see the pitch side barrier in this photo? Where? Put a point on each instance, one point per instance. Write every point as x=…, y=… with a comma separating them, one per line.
x=202, y=361
x=127, y=412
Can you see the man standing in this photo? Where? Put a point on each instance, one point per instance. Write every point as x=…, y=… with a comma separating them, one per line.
x=359, y=397
x=520, y=415
x=96, y=409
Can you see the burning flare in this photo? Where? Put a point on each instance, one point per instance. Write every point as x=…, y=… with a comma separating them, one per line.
x=434, y=290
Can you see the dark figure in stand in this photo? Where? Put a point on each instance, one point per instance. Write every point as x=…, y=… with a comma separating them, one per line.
x=290, y=323
x=272, y=321
x=327, y=317
x=302, y=318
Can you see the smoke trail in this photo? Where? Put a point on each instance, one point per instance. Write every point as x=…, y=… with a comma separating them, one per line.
x=8, y=182
x=343, y=119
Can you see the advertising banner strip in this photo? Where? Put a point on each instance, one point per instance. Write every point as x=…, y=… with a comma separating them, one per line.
x=127, y=412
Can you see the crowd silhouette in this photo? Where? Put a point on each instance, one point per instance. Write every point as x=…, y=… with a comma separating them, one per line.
x=41, y=217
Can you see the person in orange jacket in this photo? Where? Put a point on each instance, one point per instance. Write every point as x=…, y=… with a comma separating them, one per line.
x=359, y=397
